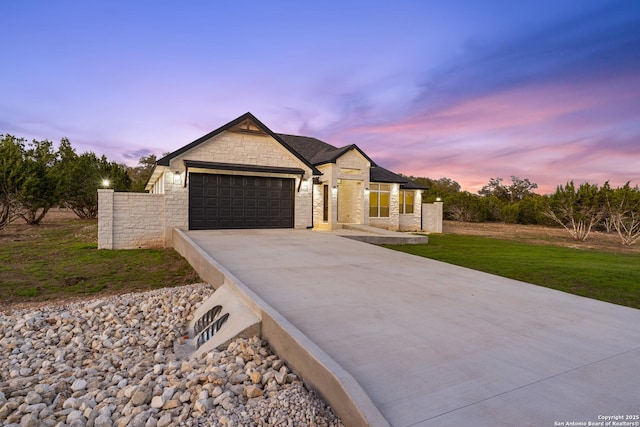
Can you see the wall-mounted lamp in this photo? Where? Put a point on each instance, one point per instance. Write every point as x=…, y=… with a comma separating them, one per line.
x=305, y=184
x=105, y=183
x=334, y=189
x=177, y=178
x=366, y=191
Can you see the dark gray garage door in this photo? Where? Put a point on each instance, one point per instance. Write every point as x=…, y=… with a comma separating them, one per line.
x=233, y=201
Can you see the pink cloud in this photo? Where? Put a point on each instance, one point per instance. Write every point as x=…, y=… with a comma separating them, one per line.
x=550, y=133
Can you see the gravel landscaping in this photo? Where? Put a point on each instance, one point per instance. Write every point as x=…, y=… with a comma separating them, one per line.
x=111, y=362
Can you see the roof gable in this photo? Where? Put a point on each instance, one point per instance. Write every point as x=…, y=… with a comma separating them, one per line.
x=247, y=123
x=310, y=151
x=319, y=152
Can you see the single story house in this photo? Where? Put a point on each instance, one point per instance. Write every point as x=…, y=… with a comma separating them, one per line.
x=243, y=176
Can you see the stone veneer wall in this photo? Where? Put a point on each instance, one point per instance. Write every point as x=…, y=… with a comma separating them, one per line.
x=239, y=148
x=355, y=161
x=412, y=222
x=432, y=217
x=137, y=220
x=393, y=221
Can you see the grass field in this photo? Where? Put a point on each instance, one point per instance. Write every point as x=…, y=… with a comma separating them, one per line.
x=59, y=260
x=602, y=275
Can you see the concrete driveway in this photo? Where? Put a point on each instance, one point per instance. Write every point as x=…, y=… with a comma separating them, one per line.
x=438, y=345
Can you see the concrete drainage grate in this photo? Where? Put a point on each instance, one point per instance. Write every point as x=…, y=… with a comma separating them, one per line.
x=221, y=318
x=206, y=319
x=210, y=323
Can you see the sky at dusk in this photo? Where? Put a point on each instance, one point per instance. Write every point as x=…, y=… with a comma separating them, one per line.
x=468, y=90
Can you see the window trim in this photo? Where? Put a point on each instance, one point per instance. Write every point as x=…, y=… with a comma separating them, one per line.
x=402, y=202
x=375, y=191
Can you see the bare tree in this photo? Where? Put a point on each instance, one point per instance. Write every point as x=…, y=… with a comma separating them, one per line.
x=623, y=205
x=578, y=211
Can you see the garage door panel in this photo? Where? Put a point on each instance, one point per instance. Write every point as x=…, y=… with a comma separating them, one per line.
x=233, y=201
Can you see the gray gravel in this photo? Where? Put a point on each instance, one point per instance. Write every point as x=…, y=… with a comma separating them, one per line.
x=111, y=362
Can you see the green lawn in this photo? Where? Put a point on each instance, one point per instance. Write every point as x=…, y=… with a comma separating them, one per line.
x=605, y=276
x=61, y=260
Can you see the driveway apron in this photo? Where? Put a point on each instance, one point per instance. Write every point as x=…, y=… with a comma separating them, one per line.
x=438, y=345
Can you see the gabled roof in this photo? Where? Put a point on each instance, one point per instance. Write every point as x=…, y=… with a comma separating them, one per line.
x=319, y=152
x=310, y=151
x=239, y=121
x=378, y=174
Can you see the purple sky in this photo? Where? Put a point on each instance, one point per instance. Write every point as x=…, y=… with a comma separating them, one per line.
x=469, y=90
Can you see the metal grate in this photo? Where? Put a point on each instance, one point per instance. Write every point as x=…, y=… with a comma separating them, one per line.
x=211, y=330
x=207, y=319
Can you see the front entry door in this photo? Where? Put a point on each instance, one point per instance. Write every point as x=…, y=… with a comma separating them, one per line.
x=349, y=202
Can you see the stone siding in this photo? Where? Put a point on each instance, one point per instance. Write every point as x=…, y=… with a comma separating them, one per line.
x=346, y=167
x=329, y=178
x=393, y=221
x=105, y=219
x=413, y=222
x=130, y=220
x=432, y=217
x=239, y=148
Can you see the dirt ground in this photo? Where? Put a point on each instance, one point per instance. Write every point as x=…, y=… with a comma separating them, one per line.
x=19, y=231
x=533, y=234
x=65, y=222
x=538, y=234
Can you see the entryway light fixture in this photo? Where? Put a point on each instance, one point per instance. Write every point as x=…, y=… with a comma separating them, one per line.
x=105, y=183
x=177, y=178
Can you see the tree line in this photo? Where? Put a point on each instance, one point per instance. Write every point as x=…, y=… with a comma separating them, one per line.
x=35, y=177
x=579, y=209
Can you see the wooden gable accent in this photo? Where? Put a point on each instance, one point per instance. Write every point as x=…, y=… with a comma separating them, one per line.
x=248, y=126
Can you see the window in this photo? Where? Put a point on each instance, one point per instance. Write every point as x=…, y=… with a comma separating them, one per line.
x=406, y=202
x=379, y=196
x=325, y=203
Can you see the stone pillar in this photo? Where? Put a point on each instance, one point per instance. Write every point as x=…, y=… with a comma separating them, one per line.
x=105, y=219
x=432, y=217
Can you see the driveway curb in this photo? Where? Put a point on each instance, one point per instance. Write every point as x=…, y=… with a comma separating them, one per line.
x=321, y=372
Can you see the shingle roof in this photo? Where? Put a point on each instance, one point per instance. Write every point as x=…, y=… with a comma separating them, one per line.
x=164, y=161
x=311, y=151
x=379, y=174
x=318, y=152
x=307, y=147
